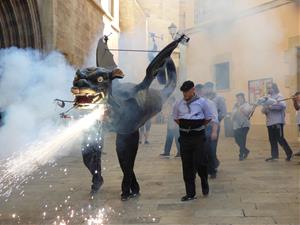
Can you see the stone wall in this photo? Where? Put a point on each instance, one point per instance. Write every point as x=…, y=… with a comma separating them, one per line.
x=72, y=26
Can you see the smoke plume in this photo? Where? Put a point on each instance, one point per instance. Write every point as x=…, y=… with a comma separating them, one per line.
x=29, y=83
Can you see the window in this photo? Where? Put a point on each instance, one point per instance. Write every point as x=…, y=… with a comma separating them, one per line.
x=258, y=88
x=222, y=72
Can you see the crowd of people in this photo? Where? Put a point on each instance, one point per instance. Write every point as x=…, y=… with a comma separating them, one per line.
x=194, y=123
x=198, y=116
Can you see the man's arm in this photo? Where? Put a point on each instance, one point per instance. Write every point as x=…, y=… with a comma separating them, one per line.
x=214, y=131
x=278, y=106
x=207, y=111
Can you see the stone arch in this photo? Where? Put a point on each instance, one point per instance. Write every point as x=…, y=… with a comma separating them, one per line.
x=20, y=24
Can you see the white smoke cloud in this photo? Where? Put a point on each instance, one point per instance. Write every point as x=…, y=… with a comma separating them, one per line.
x=29, y=83
x=133, y=64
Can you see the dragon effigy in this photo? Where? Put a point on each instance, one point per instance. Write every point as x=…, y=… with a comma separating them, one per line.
x=129, y=106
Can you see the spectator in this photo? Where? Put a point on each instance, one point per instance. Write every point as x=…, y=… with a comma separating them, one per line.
x=241, y=124
x=172, y=132
x=275, y=119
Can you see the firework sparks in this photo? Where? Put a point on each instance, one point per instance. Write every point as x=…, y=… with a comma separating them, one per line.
x=15, y=170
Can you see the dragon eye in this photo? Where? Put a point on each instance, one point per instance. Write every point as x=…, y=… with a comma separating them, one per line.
x=100, y=79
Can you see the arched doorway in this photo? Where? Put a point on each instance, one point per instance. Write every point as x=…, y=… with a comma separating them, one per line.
x=20, y=24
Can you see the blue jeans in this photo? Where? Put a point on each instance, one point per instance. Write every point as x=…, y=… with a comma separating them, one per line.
x=211, y=145
x=171, y=134
x=240, y=136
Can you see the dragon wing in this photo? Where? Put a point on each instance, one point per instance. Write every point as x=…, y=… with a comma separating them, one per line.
x=104, y=58
x=157, y=63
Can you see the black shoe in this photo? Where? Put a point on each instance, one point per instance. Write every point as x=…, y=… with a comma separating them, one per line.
x=96, y=186
x=205, y=187
x=297, y=154
x=93, y=192
x=164, y=155
x=246, y=154
x=188, y=198
x=177, y=155
x=241, y=157
x=146, y=143
x=213, y=175
x=289, y=157
x=271, y=159
x=125, y=198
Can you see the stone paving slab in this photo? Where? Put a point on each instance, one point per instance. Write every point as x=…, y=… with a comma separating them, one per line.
x=248, y=192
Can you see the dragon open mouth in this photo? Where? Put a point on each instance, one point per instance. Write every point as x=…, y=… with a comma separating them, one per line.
x=87, y=98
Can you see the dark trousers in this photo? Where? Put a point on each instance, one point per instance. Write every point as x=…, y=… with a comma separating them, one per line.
x=92, y=146
x=240, y=136
x=276, y=136
x=172, y=134
x=211, y=146
x=194, y=158
x=127, y=146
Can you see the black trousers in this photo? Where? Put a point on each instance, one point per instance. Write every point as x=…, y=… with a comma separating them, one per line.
x=240, y=136
x=91, y=147
x=194, y=159
x=127, y=146
x=276, y=136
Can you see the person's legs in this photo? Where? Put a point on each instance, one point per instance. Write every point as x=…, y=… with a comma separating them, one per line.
x=238, y=141
x=243, y=133
x=215, y=146
x=142, y=132
x=126, y=146
x=147, y=131
x=298, y=153
x=168, y=143
x=215, y=162
x=282, y=141
x=92, y=146
x=187, y=166
x=273, y=138
x=135, y=187
x=176, y=136
x=91, y=155
x=200, y=162
x=211, y=166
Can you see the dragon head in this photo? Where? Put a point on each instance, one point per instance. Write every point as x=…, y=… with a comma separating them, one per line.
x=92, y=85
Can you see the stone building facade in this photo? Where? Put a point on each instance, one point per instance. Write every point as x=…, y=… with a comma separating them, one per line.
x=69, y=26
x=241, y=44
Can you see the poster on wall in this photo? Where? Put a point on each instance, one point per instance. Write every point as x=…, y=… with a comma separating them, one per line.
x=257, y=88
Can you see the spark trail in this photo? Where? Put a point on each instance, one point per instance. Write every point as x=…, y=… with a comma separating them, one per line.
x=15, y=170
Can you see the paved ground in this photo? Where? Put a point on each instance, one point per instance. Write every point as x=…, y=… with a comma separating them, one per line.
x=248, y=192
